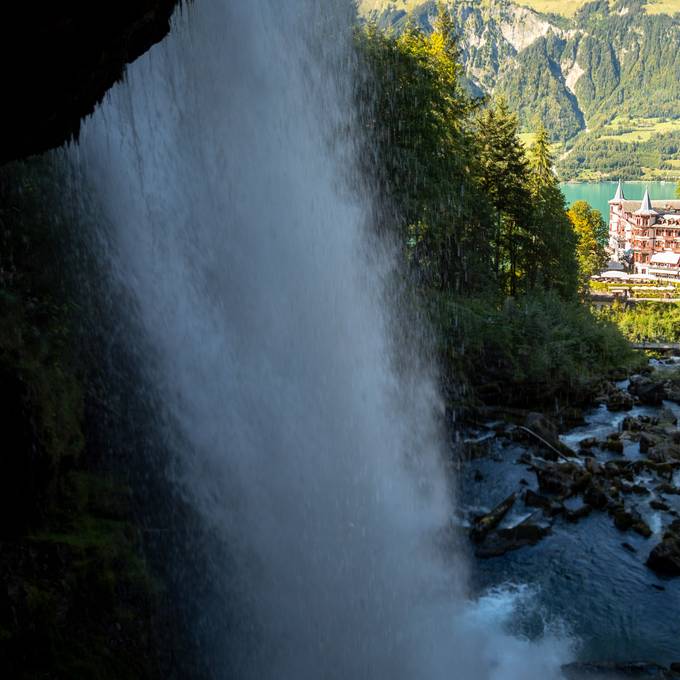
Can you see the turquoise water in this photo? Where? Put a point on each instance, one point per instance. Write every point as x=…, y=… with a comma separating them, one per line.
x=598, y=194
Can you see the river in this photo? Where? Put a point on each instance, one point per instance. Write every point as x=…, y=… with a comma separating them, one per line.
x=598, y=194
x=580, y=580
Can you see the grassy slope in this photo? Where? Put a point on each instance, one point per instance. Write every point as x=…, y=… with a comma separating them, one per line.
x=637, y=129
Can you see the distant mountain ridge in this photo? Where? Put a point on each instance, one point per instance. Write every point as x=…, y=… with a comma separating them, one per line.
x=600, y=71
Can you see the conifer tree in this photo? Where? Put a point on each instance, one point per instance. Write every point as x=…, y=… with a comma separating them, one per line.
x=503, y=176
x=552, y=262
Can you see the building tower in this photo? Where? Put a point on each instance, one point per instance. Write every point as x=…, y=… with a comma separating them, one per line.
x=617, y=224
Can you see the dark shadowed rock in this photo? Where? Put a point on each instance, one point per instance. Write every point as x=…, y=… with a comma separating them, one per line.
x=596, y=497
x=665, y=557
x=555, y=479
x=546, y=435
x=648, y=441
x=664, y=452
x=593, y=466
x=667, y=418
x=668, y=489
x=638, y=489
x=659, y=505
x=613, y=443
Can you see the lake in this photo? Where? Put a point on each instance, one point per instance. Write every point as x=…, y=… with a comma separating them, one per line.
x=598, y=194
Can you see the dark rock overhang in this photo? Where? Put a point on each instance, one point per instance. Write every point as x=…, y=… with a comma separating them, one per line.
x=60, y=58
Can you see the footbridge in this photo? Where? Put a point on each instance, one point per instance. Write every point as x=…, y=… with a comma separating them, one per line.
x=658, y=346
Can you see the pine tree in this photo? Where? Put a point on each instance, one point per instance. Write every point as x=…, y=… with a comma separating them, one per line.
x=503, y=169
x=553, y=261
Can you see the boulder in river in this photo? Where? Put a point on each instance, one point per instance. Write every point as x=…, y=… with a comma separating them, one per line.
x=596, y=497
x=619, y=400
x=613, y=443
x=648, y=391
x=665, y=452
x=632, y=424
x=625, y=519
x=668, y=489
x=638, y=489
x=528, y=532
x=648, y=441
x=665, y=557
x=556, y=479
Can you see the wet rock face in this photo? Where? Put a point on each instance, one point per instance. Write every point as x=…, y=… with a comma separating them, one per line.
x=61, y=58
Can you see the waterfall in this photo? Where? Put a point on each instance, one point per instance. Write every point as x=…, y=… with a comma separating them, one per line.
x=223, y=171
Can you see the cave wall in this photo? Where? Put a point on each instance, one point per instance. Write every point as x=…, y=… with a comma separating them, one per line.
x=60, y=58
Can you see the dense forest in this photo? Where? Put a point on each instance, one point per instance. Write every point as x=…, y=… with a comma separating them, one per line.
x=603, y=82
x=498, y=262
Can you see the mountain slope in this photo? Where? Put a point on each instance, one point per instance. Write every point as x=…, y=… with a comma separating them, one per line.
x=609, y=66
